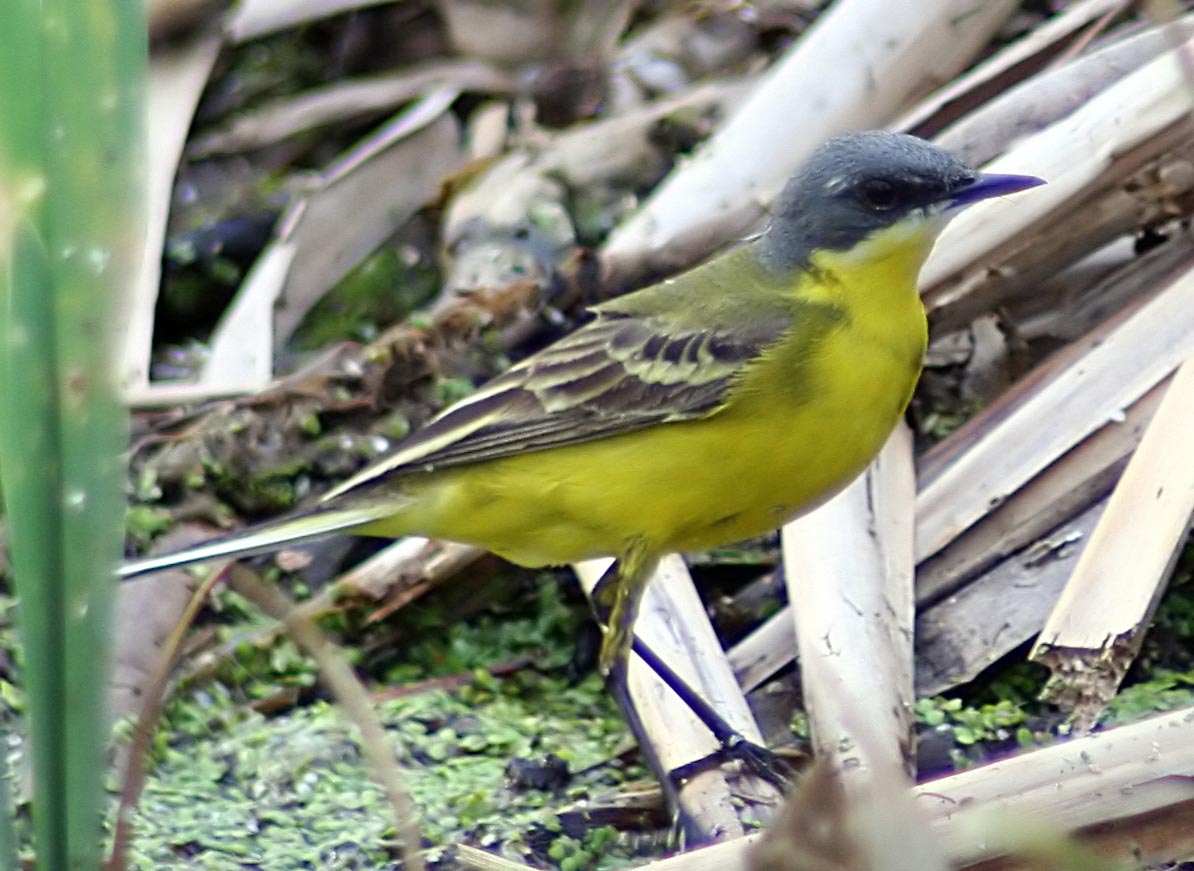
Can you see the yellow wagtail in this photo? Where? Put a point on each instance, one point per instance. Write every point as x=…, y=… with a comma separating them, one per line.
x=708, y=408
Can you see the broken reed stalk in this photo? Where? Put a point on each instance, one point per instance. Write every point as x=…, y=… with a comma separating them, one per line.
x=962, y=634
x=971, y=93
x=849, y=566
x=395, y=576
x=177, y=76
x=674, y=624
x=1118, y=162
x=1098, y=624
x=1096, y=781
x=1049, y=95
x=1075, y=403
x=930, y=42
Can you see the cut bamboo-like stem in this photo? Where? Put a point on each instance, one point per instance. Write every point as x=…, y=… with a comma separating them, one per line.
x=1096, y=628
x=1031, y=52
x=972, y=628
x=765, y=650
x=962, y=634
x=880, y=62
x=177, y=76
x=1067, y=487
x=673, y=623
x=1078, y=401
x=1103, y=778
x=848, y=566
x=1125, y=133
x=1051, y=94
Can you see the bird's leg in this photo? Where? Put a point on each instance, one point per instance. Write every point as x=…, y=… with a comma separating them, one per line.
x=616, y=599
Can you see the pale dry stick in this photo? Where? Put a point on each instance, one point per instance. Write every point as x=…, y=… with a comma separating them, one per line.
x=1095, y=630
x=848, y=566
x=1107, y=776
x=962, y=634
x=854, y=804
x=177, y=76
x=406, y=563
x=1121, y=161
x=342, y=101
x=673, y=623
x=972, y=628
x=1081, y=476
x=352, y=698
x=251, y=19
x=464, y=856
x=764, y=651
x=1092, y=781
x=1031, y=51
x=321, y=237
x=355, y=205
x=1093, y=316
x=1109, y=280
x=1154, y=840
x=1048, y=96
x=1076, y=403
x=880, y=62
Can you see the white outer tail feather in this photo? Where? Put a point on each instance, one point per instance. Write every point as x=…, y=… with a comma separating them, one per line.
x=268, y=537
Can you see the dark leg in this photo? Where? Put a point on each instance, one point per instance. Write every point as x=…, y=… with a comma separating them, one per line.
x=616, y=599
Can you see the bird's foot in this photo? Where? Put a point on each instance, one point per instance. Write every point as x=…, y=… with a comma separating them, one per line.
x=755, y=759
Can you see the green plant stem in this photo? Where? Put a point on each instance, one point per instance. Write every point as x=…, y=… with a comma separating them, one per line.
x=71, y=79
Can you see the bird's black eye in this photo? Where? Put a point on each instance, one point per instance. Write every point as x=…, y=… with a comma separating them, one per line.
x=879, y=195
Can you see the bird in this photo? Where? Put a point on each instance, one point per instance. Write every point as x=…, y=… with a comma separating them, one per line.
x=709, y=408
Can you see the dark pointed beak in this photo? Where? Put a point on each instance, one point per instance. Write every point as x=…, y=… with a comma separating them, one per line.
x=988, y=185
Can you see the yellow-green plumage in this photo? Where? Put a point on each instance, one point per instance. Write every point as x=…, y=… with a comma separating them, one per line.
x=703, y=410
x=801, y=419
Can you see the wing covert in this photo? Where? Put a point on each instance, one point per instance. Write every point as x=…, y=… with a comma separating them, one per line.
x=638, y=363
x=615, y=375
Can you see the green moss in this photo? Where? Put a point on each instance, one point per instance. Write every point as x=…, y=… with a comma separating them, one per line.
x=450, y=390
x=144, y=523
x=1164, y=691
x=311, y=425
x=396, y=427
x=231, y=787
x=383, y=289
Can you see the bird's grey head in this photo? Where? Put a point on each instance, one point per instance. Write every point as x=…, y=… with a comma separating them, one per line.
x=859, y=183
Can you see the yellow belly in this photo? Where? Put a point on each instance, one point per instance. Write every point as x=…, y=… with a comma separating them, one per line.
x=690, y=485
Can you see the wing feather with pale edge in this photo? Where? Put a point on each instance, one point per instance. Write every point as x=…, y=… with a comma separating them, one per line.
x=628, y=369
x=614, y=375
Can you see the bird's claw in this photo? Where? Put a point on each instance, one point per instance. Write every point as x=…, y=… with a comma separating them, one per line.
x=755, y=759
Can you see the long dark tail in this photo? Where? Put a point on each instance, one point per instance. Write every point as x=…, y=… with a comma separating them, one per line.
x=264, y=538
